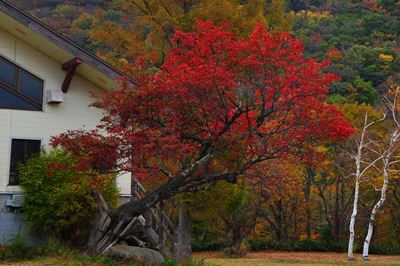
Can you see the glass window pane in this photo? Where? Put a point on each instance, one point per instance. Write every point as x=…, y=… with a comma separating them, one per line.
x=31, y=86
x=32, y=148
x=21, y=150
x=7, y=72
x=17, y=155
x=10, y=101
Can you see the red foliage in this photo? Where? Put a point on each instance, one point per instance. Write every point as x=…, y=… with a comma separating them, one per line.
x=372, y=5
x=243, y=101
x=316, y=37
x=93, y=149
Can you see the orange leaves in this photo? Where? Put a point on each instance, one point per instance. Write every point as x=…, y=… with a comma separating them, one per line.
x=372, y=5
x=334, y=53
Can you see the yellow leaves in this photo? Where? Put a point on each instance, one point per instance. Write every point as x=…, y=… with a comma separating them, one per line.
x=259, y=229
x=395, y=175
x=84, y=22
x=376, y=180
x=63, y=10
x=355, y=113
x=154, y=21
x=242, y=17
x=392, y=89
x=386, y=58
x=387, y=61
x=220, y=200
x=122, y=62
x=313, y=236
x=125, y=41
x=311, y=15
x=277, y=18
x=321, y=149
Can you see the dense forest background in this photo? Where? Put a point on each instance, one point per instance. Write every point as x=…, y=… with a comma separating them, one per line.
x=359, y=37
x=302, y=205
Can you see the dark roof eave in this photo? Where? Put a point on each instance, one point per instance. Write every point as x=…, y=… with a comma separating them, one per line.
x=61, y=41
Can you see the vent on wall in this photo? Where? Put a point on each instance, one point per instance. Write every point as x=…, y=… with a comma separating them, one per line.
x=54, y=96
x=17, y=201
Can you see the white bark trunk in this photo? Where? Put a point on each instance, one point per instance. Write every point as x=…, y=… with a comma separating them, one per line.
x=386, y=162
x=353, y=220
x=392, y=105
x=377, y=206
x=359, y=172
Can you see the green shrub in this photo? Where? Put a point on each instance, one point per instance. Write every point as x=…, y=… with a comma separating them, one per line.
x=54, y=247
x=208, y=245
x=17, y=248
x=260, y=244
x=268, y=244
x=171, y=262
x=58, y=198
x=325, y=233
x=308, y=244
x=384, y=250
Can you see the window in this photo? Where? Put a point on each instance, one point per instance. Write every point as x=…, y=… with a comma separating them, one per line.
x=21, y=150
x=18, y=88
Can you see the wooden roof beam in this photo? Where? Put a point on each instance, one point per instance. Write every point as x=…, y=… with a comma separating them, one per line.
x=70, y=67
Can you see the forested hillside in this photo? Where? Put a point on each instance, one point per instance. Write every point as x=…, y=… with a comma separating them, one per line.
x=305, y=200
x=360, y=38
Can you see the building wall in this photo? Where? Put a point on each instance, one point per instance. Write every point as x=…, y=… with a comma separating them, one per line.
x=73, y=113
x=12, y=224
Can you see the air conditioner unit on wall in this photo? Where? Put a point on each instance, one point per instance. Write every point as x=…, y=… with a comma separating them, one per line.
x=54, y=96
x=16, y=201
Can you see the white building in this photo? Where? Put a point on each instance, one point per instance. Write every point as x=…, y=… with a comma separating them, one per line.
x=45, y=80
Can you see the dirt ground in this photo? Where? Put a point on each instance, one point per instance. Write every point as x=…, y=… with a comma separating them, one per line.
x=294, y=258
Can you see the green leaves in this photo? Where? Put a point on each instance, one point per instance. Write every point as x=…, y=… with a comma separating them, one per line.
x=57, y=195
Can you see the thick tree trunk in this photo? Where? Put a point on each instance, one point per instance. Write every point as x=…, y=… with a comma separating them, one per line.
x=183, y=234
x=120, y=220
x=237, y=240
x=94, y=229
x=99, y=222
x=374, y=211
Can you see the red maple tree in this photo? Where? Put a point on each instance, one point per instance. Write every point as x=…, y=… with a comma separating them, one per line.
x=217, y=108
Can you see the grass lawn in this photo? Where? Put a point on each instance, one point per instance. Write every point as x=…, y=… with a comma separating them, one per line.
x=67, y=259
x=293, y=258
x=217, y=259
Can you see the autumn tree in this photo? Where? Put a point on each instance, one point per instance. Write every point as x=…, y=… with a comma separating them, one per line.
x=282, y=205
x=362, y=165
x=152, y=23
x=219, y=106
x=387, y=149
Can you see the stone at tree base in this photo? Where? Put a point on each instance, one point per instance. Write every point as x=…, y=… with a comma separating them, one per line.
x=144, y=256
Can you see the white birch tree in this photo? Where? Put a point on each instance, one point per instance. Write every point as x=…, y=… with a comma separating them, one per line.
x=388, y=159
x=361, y=167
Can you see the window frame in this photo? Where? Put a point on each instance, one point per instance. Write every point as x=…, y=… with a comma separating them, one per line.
x=15, y=90
x=16, y=184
